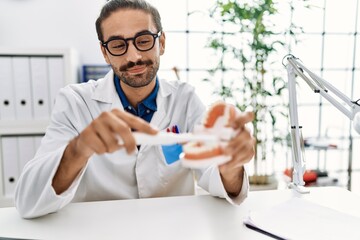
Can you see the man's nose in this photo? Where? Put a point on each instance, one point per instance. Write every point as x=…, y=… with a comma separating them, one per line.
x=132, y=55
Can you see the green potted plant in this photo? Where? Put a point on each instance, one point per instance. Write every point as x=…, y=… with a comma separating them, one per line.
x=244, y=75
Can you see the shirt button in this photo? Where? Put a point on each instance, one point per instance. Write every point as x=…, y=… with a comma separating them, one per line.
x=148, y=111
x=129, y=107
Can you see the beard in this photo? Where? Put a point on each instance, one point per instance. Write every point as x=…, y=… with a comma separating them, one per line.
x=140, y=80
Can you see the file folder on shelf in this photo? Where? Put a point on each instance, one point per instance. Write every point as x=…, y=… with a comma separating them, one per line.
x=39, y=87
x=56, y=77
x=23, y=99
x=26, y=150
x=7, y=99
x=10, y=164
x=30, y=80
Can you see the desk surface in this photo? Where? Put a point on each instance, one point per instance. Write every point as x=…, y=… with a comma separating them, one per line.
x=190, y=217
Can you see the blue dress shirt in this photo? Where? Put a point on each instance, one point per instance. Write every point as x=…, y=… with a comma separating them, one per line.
x=146, y=108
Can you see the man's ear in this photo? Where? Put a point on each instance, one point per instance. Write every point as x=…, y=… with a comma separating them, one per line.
x=162, y=43
x=104, y=53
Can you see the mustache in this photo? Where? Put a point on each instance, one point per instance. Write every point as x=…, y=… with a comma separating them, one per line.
x=125, y=67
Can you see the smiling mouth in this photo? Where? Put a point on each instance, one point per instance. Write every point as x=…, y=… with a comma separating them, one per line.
x=139, y=69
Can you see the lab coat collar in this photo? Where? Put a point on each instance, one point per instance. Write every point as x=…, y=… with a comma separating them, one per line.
x=105, y=90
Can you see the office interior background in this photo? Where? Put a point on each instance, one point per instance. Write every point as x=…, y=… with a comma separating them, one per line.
x=327, y=44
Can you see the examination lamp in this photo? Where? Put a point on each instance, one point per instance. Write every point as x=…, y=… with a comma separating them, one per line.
x=347, y=106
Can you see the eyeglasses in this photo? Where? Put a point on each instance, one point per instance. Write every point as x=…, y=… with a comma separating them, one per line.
x=142, y=42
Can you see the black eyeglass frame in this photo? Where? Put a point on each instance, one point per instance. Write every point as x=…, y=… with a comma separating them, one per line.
x=154, y=35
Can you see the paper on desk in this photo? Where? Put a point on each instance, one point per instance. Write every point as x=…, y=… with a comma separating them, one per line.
x=302, y=219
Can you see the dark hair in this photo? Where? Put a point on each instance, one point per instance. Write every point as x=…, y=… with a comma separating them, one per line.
x=114, y=5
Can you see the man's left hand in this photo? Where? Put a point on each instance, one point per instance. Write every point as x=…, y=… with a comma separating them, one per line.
x=241, y=148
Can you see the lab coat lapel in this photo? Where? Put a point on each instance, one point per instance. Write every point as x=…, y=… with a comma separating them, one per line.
x=160, y=118
x=105, y=93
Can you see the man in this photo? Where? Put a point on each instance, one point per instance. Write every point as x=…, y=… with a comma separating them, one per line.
x=80, y=158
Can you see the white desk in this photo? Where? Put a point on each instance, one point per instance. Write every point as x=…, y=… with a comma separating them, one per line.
x=191, y=217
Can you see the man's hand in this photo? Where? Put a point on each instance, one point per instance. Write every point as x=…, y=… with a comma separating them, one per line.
x=241, y=148
x=101, y=136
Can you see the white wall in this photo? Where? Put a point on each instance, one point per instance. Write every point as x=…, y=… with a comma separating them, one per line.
x=52, y=24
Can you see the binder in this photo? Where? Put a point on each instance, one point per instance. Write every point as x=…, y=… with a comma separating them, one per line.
x=56, y=77
x=94, y=72
x=26, y=150
x=7, y=99
x=10, y=164
x=39, y=86
x=37, y=142
x=23, y=99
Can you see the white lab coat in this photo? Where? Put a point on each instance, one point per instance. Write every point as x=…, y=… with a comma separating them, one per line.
x=113, y=176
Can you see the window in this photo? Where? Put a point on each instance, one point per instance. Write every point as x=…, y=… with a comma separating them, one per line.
x=329, y=45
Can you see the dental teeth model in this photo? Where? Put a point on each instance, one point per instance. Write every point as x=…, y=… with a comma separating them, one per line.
x=197, y=154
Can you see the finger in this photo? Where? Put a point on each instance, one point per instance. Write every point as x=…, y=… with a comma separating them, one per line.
x=238, y=160
x=242, y=119
x=123, y=130
x=135, y=122
x=106, y=135
x=241, y=140
x=245, y=152
x=90, y=139
x=246, y=155
x=117, y=128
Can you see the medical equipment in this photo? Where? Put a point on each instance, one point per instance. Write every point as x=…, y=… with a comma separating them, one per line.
x=325, y=89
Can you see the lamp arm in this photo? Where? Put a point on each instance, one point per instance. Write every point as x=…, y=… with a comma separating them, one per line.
x=320, y=85
x=298, y=156
x=329, y=92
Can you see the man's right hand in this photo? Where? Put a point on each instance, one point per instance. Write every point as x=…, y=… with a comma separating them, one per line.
x=101, y=136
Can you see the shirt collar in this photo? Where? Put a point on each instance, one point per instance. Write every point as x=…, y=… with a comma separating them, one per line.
x=149, y=102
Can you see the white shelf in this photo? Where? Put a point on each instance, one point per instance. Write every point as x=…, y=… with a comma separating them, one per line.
x=69, y=55
x=23, y=127
x=65, y=62
x=6, y=202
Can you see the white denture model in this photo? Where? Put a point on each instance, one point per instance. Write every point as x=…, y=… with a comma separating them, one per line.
x=201, y=154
